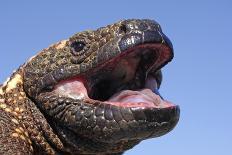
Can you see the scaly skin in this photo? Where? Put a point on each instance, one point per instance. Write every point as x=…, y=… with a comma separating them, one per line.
x=35, y=120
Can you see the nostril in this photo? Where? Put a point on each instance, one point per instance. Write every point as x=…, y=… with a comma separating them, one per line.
x=123, y=28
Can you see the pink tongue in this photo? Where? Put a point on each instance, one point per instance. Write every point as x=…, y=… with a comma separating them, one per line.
x=75, y=88
x=140, y=98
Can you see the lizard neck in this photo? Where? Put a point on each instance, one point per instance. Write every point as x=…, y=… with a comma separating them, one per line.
x=13, y=99
x=25, y=113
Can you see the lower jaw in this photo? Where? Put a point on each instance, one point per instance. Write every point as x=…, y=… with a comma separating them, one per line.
x=105, y=126
x=83, y=145
x=114, y=124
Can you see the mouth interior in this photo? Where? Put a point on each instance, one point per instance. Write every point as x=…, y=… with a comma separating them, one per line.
x=129, y=80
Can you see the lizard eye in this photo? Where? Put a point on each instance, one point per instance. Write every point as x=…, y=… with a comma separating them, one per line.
x=77, y=46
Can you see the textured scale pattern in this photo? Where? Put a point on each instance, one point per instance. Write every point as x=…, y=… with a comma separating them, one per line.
x=35, y=120
x=22, y=126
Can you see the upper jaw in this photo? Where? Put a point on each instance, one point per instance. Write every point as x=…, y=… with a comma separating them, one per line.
x=123, y=43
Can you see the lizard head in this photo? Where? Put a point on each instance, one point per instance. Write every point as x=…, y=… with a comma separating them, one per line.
x=99, y=89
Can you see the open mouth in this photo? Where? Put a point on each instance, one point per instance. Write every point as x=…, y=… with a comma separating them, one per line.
x=102, y=90
x=131, y=79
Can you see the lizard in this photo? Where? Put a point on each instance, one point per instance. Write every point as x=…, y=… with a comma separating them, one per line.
x=93, y=93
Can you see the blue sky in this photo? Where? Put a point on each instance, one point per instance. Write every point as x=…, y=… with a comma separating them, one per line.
x=198, y=79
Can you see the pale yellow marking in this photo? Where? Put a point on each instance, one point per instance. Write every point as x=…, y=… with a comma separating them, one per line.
x=22, y=137
x=22, y=94
x=16, y=109
x=61, y=44
x=15, y=121
x=20, y=133
x=21, y=109
x=21, y=129
x=26, y=133
x=20, y=117
x=3, y=106
x=9, y=100
x=18, y=130
x=2, y=100
x=13, y=82
x=15, y=113
x=15, y=134
x=8, y=110
x=20, y=98
x=29, y=141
